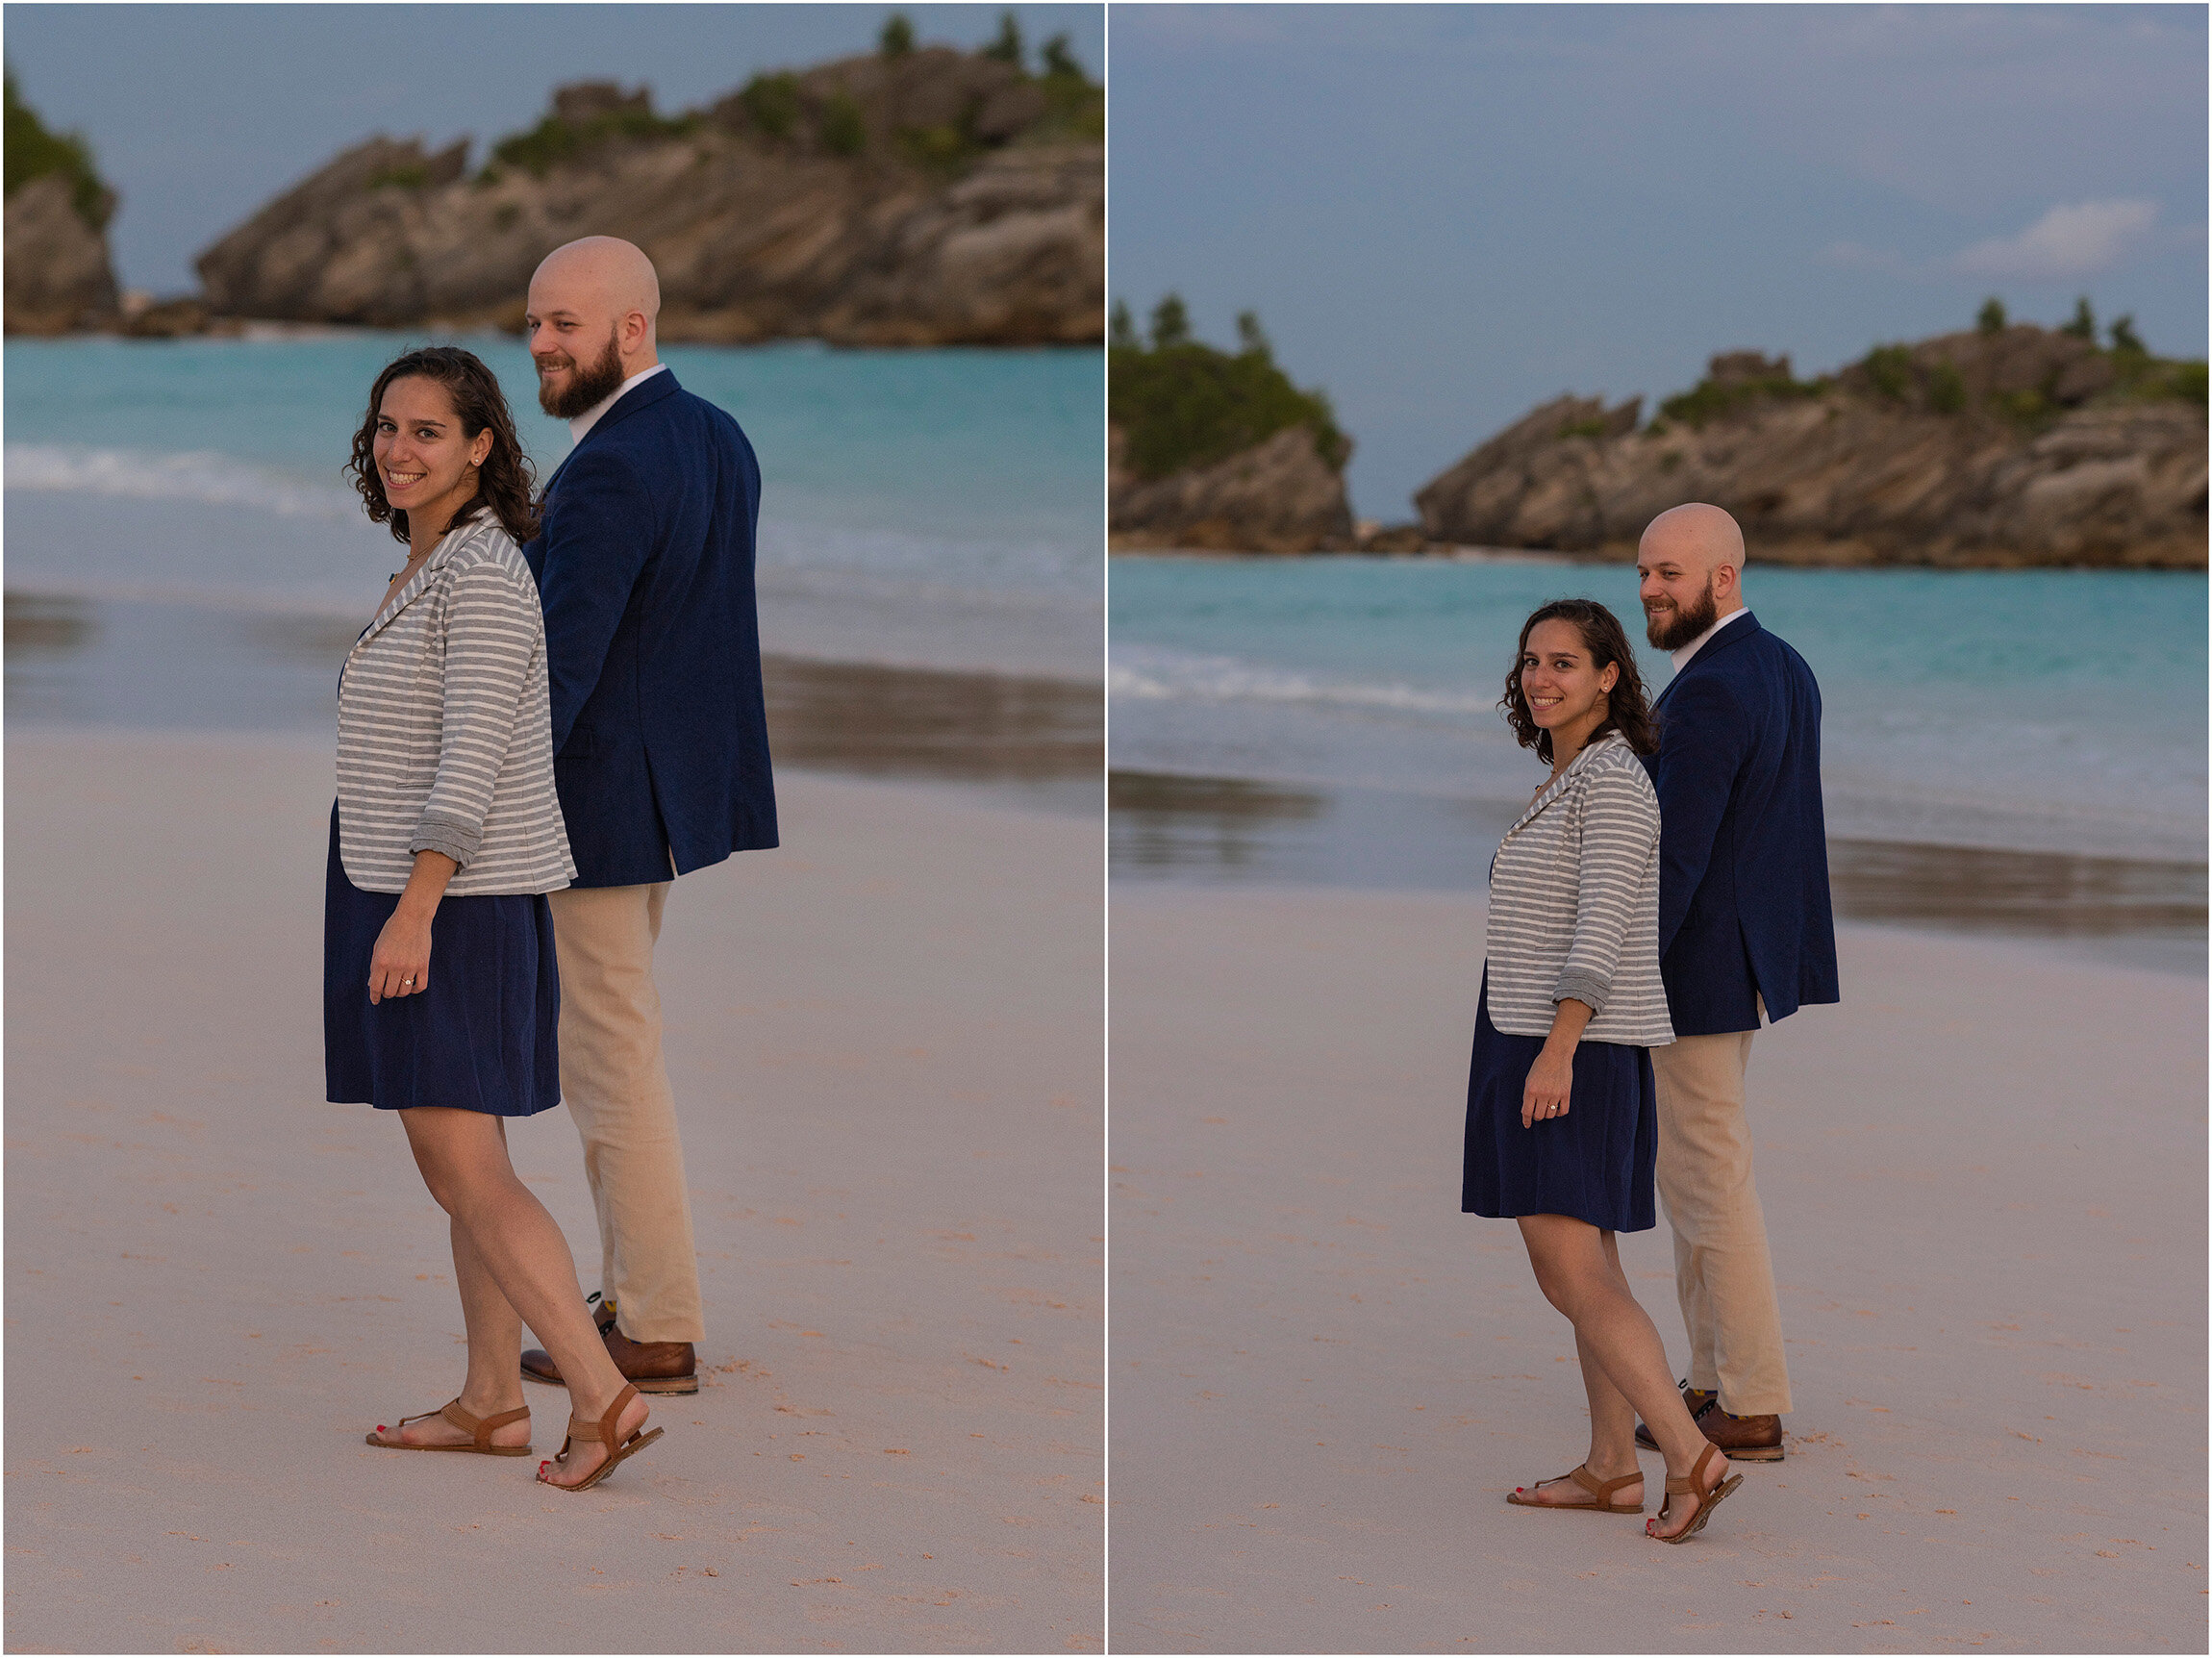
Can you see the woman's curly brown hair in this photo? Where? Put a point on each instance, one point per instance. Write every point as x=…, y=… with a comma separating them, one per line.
x=1626, y=709
x=504, y=483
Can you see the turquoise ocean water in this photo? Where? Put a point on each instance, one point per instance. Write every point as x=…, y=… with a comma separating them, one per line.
x=935, y=509
x=2036, y=711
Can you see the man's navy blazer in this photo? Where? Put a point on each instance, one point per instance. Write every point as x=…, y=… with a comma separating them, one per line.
x=645, y=566
x=1743, y=909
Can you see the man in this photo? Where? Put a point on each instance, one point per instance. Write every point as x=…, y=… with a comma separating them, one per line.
x=1745, y=930
x=645, y=566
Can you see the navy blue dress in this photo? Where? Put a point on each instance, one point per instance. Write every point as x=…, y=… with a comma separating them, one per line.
x=1597, y=1163
x=479, y=1037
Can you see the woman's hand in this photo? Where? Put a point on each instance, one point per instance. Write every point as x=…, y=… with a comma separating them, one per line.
x=400, y=963
x=1552, y=1078
x=1550, y=1082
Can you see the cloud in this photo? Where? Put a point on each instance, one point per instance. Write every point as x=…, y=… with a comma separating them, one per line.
x=2076, y=241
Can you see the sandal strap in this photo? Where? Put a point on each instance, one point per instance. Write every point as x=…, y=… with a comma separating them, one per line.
x=478, y=1428
x=1582, y=1475
x=1687, y=1484
x=603, y=1430
x=611, y=1423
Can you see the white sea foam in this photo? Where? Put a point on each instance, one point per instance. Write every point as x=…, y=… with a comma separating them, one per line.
x=1158, y=674
x=205, y=477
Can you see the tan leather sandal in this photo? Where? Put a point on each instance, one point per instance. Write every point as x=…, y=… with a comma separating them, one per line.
x=603, y=1430
x=1601, y=1493
x=480, y=1431
x=1707, y=1501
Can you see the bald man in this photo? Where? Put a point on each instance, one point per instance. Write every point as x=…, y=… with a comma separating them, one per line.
x=645, y=566
x=1745, y=929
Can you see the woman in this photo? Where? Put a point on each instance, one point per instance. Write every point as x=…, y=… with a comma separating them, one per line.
x=440, y=991
x=1562, y=1123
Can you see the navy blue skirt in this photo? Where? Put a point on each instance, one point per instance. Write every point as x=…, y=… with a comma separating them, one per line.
x=481, y=1036
x=1595, y=1162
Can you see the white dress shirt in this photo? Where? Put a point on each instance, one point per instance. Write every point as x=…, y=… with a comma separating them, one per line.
x=1679, y=657
x=589, y=419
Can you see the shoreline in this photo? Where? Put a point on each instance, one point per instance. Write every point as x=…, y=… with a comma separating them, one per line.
x=1839, y=556
x=185, y=669
x=1193, y=833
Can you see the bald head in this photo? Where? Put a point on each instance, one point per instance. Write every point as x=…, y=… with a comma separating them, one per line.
x=594, y=305
x=1696, y=534
x=1690, y=572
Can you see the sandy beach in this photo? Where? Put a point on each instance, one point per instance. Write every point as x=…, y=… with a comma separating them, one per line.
x=1984, y=1179
x=884, y=1039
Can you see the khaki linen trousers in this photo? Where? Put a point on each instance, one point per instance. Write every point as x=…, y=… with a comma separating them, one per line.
x=1723, y=1276
x=616, y=1089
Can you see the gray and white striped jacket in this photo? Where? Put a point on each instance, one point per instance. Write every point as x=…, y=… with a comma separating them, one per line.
x=1575, y=904
x=445, y=729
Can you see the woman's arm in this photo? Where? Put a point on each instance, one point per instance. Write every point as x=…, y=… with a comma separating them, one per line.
x=492, y=631
x=1620, y=826
x=400, y=963
x=1552, y=1078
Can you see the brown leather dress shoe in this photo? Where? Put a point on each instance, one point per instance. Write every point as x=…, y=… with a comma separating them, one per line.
x=1695, y=1400
x=650, y=1366
x=1744, y=1438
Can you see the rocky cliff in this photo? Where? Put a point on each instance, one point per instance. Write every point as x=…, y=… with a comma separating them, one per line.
x=928, y=197
x=1282, y=495
x=2011, y=445
x=1217, y=450
x=57, y=275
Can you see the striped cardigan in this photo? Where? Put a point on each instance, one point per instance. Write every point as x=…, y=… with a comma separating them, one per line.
x=1575, y=904
x=444, y=734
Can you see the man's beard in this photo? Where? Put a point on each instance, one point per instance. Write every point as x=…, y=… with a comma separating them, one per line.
x=588, y=386
x=1672, y=630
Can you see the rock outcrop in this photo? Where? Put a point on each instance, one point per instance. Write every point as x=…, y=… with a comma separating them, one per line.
x=1281, y=495
x=933, y=198
x=2021, y=446
x=58, y=277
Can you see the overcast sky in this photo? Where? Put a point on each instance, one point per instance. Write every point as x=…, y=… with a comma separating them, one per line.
x=197, y=114
x=1446, y=214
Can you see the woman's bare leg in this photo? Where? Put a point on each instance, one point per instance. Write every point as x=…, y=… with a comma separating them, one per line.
x=494, y=1381
x=1578, y=1269
x=462, y=1156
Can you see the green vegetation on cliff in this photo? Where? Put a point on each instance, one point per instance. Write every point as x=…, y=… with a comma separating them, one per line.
x=558, y=138
x=1181, y=403
x=853, y=109
x=30, y=152
x=1957, y=374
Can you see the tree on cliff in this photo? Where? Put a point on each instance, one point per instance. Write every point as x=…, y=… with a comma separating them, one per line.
x=1181, y=403
x=28, y=151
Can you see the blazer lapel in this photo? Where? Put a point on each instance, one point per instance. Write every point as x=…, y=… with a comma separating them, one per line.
x=1551, y=790
x=408, y=595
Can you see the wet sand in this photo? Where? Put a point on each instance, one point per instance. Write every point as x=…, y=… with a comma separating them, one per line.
x=885, y=1042
x=1215, y=831
x=140, y=664
x=1984, y=1178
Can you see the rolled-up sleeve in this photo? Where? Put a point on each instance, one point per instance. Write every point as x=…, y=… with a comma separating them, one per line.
x=491, y=631
x=1619, y=839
